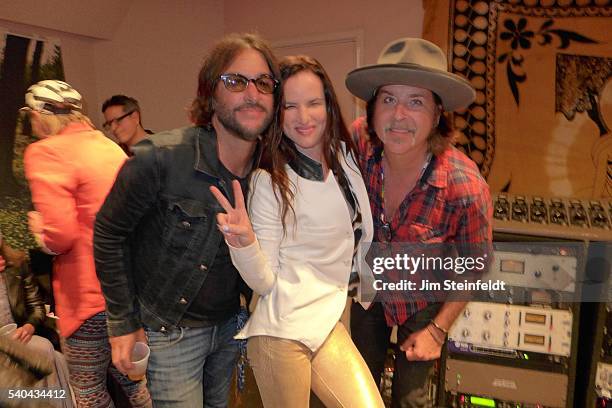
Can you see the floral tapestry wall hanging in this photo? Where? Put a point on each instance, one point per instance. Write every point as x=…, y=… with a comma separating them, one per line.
x=543, y=74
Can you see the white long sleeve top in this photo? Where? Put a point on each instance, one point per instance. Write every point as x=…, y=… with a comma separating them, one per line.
x=302, y=276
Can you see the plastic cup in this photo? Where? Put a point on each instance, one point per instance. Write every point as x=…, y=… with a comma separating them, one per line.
x=8, y=329
x=140, y=359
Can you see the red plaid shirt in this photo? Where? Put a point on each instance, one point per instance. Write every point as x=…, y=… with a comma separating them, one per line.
x=450, y=203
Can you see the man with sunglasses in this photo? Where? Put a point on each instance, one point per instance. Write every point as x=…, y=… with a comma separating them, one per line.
x=422, y=190
x=165, y=269
x=124, y=121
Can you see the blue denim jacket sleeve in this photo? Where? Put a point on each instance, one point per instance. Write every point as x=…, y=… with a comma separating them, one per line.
x=135, y=191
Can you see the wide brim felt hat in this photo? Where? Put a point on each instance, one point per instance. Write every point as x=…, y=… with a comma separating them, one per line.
x=414, y=62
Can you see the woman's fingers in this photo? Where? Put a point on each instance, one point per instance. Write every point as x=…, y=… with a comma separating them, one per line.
x=232, y=230
x=233, y=224
x=221, y=199
x=222, y=221
x=238, y=196
x=225, y=225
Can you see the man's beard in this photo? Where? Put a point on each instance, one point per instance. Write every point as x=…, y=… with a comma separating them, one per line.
x=227, y=117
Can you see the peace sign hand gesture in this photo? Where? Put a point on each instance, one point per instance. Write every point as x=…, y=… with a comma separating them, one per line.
x=234, y=224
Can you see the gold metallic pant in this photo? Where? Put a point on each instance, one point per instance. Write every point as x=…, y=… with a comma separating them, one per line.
x=286, y=370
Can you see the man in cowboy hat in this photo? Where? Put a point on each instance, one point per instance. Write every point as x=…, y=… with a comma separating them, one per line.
x=422, y=189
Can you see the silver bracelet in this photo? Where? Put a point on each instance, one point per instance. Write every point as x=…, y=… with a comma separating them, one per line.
x=438, y=327
x=440, y=342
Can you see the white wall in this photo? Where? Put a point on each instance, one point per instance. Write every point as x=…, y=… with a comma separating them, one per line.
x=155, y=56
x=77, y=54
x=89, y=18
x=279, y=20
x=341, y=34
x=154, y=52
x=152, y=49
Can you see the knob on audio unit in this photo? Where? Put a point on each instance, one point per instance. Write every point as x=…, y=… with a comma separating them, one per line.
x=584, y=219
x=495, y=326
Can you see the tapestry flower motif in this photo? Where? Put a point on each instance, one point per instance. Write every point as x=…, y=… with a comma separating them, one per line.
x=521, y=40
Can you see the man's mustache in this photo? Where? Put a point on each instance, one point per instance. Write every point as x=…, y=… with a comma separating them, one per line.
x=395, y=127
x=250, y=105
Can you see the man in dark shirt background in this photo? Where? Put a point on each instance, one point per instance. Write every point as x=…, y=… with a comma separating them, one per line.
x=123, y=120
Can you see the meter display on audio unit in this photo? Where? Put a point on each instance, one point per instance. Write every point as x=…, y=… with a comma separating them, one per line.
x=539, y=318
x=511, y=327
x=512, y=266
x=534, y=271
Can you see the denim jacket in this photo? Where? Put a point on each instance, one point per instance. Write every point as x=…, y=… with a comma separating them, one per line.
x=156, y=234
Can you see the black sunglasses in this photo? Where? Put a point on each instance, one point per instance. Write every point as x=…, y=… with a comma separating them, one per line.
x=107, y=125
x=238, y=83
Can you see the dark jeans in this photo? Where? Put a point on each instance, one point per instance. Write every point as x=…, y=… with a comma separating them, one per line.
x=371, y=335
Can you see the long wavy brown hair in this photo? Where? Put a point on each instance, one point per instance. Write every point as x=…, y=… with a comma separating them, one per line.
x=218, y=59
x=279, y=149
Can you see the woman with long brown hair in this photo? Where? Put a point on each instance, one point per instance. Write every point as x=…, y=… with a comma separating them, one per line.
x=308, y=211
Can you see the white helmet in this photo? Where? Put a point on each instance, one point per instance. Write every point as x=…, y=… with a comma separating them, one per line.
x=53, y=97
